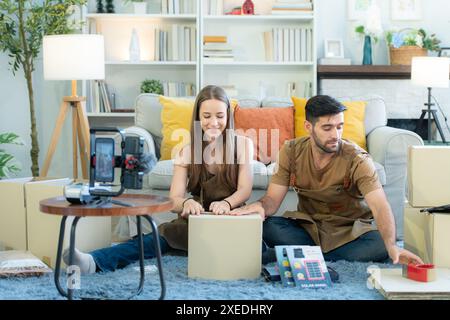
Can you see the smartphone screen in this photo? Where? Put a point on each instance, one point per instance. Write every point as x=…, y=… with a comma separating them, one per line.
x=104, y=159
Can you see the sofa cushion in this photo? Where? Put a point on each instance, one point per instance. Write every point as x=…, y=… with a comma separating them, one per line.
x=353, y=126
x=262, y=126
x=380, y=171
x=176, y=118
x=276, y=102
x=248, y=101
x=375, y=110
x=161, y=175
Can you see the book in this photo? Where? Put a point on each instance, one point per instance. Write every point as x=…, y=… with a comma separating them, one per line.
x=214, y=39
x=307, y=267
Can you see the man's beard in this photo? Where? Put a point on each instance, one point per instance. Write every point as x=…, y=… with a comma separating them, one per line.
x=323, y=147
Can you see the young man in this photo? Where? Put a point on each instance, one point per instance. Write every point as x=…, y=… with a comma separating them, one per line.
x=338, y=190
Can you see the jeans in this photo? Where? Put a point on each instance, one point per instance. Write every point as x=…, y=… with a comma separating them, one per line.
x=123, y=254
x=283, y=231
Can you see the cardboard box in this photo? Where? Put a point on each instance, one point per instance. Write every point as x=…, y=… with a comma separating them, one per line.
x=429, y=176
x=43, y=229
x=225, y=247
x=13, y=216
x=427, y=235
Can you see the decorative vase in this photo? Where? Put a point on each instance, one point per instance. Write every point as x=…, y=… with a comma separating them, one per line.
x=367, y=54
x=248, y=7
x=135, y=51
x=100, y=8
x=110, y=6
x=140, y=7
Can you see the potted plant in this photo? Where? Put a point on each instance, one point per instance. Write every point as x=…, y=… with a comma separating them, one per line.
x=23, y=24
x=8, y=164
x=140, y=6
x=152, y=86
x=407, y=43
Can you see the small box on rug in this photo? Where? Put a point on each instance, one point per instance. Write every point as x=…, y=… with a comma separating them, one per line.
x=43, y=229
x=429, y=176
x=223, y=247
x=427, y=235
x=393, y=286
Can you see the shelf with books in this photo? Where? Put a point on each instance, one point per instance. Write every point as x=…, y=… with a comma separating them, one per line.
x=273, y=46
x=153, y=63
x=129, y=16
x=249, y=18
x=257, y=63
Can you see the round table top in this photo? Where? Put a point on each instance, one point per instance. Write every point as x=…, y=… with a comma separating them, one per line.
x=142, y=205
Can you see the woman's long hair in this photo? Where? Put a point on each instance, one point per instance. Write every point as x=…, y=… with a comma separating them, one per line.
x=227, y=171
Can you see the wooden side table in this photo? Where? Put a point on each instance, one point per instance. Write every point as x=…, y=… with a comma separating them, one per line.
x=132, y=205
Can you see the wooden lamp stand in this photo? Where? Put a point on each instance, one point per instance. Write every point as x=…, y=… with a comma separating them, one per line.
x=80, y=133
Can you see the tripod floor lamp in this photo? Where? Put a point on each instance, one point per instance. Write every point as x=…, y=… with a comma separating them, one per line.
x=430, y=72
x=73, y=57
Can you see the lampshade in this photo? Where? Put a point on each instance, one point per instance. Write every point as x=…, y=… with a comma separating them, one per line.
x=74, y=57
x=430, y=72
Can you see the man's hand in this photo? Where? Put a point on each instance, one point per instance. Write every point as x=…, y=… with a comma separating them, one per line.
x=251, y=208
x=403, y=256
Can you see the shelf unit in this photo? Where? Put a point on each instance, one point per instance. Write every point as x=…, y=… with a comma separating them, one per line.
x=250, y=73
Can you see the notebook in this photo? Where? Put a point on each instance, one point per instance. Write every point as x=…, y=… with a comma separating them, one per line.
x=223, y=247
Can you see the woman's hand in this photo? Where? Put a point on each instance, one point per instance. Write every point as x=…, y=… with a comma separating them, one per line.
x=191, y=206
x=220, y=207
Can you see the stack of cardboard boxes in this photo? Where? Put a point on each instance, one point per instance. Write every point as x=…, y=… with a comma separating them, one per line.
x=24, y=227
x=428, y=235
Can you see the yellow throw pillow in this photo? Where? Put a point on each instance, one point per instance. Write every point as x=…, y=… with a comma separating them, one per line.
x=176, y=114
x=354, y=129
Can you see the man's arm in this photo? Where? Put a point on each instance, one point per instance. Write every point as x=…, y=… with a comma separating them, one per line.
x=384, y=218
x=268, y=204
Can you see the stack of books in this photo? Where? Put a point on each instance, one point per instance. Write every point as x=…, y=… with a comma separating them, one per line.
x=288, y=7
x=178, y=89
x=177, y=6
x=216, y=48
x=289, y=44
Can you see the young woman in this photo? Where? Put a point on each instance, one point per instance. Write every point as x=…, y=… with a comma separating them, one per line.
x=214, y=169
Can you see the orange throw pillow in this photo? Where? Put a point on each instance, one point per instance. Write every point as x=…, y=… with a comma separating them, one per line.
x=267, y=127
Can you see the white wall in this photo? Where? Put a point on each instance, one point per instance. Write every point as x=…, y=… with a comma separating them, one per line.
x=15, y=116
x=332, y=22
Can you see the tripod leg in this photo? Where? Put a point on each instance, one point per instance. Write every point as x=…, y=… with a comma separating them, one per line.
x=84, y=156
x=74, y=143
x=55, y=137
x=84, y=129
x=438, y=125
x=420, y=122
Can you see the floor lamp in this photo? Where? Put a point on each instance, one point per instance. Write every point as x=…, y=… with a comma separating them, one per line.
x=430, y=72
x=73, y=57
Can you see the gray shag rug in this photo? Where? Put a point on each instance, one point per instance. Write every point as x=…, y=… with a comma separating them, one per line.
x=122, y=283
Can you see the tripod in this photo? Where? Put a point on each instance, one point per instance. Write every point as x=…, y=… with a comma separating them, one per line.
x=80, y=132
x=431, y=113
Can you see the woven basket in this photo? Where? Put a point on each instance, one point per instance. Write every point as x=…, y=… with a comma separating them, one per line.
x=404, y=55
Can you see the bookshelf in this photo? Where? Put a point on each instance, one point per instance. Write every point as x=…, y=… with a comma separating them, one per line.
x=250, y=71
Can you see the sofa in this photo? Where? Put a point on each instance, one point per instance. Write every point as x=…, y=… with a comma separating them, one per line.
x=388, y=147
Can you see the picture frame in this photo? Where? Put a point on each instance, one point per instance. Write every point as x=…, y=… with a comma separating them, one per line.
x=404, y=10
x=334, y=48
x=444, y=52
x=357, y=9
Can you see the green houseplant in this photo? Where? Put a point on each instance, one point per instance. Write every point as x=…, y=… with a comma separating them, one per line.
x=8, y=164
x=23, y=23
x=152, y=86
x=407, y=43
